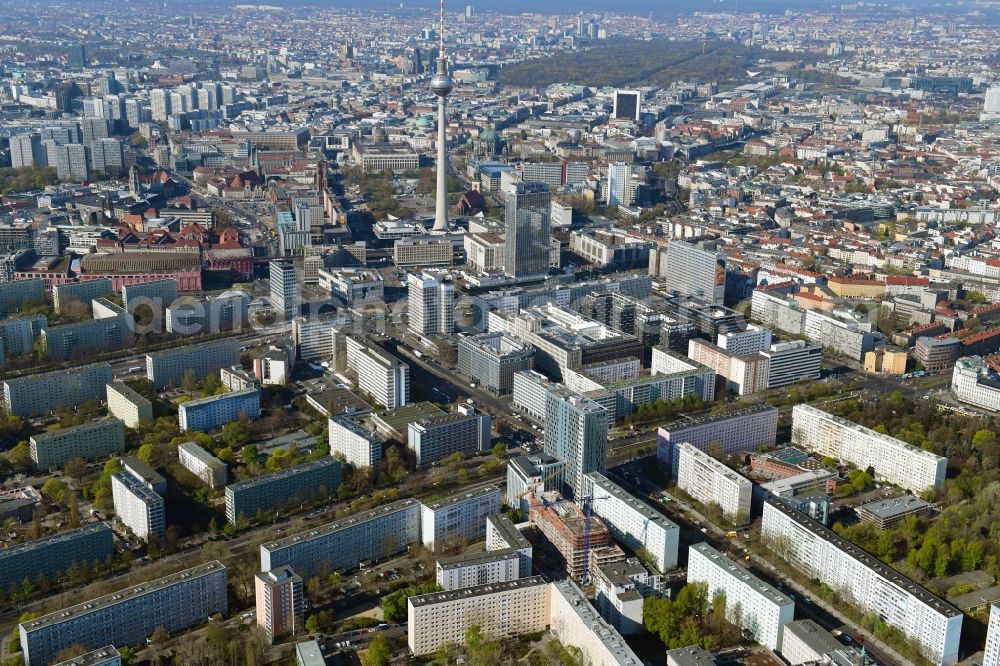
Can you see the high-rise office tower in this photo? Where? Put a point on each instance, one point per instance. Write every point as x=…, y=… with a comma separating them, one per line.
x=431, y=303
x=528, y=218
x=159, y=104
x=441, y=85
x=693, y=271
x=107, y=157
x=27, y=150
x=76, y=58
x=468, y=11
x=417, y=61
x=579, y=25
x=94, y=129
x=284, y=289
x=627, y=104
x=71, y=161
x=991, y=104
x=94, y=107
x=133, y=113
x=620, y=191
x=576, y=431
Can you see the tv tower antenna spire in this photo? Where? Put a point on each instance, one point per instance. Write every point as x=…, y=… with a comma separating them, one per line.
x=441, y=85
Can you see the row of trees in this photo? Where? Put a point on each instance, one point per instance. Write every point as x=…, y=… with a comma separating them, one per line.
x=689, y=619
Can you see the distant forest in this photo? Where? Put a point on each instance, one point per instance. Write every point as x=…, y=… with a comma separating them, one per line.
x=638, y=63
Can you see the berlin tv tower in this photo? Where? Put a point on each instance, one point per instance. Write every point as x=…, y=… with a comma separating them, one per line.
x=441, y=85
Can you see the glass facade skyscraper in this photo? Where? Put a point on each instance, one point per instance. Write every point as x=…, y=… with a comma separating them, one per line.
x=528, y=218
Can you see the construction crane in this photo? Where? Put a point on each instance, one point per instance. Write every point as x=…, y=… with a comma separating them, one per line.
x=588, y=505
x=561, y=469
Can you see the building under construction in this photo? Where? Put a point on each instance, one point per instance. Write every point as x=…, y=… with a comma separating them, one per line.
x=564, y=524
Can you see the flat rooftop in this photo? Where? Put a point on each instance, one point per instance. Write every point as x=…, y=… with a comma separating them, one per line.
x=696, y=421
x=736, y=571
x=477, y=591
x=397, y=420
x=109, y=600
x=126, y=392
x=62, y=537
x=106, y=422
x=340, y=524
x=98, y=656
x=886, y=572
x=619, y=493
x=588, y=617
x=814, y=636
x=511, y=535
x=201, y=454
x=283, y=474
x=480, y=557
x=201, y=402
x=892, y=441
x=466, y=496
x=898, y=506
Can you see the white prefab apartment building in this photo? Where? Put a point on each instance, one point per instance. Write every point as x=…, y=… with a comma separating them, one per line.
x=501, y=609
x=344, y=543
x=462, y=516
x=762, y=610
x=743, y=430
x=382, y=376
x=127, y=617
x=707, y=480
x=359, y=446
x=975, y=383
x=137, y=506
x=202, y=464
x=485, y=568
x=992, y=656
x=634, y=523
x=894, y=460
x=502, y=534
x=128, y=406
x=863, y=581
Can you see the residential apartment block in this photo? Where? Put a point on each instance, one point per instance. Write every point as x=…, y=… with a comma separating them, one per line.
x=89, y=441
x=319, y=478
x=499, y=609
x=463, y=431
x=129, y=616
x=137, y=506
x=342, y=544
x=709, y=481
x=280, y=602
x=167, y=368
x=218, y=410
x=359, y=446
x=128, y=406
x=502, y=534
x=760, y=608
x=863, y=581
x=202, y=464
x=633, y=523
x=39, y=394
x=382, y=376
x=742, y=430
x=471, y=569
x=51, y=556
x=894, y=460
x=461, y=516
